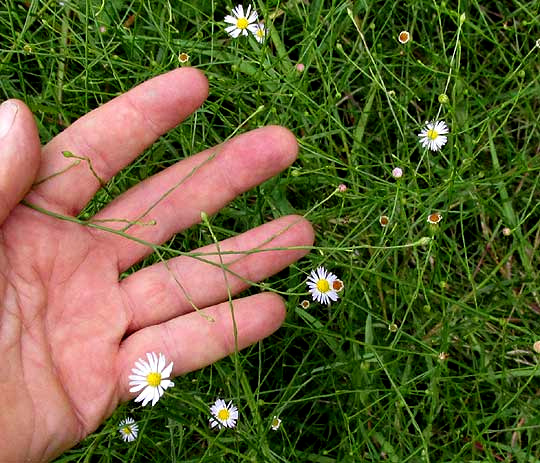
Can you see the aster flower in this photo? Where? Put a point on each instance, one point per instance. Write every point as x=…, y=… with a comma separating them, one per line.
x=397, y=172
x=183, y=57
x=151, y=377
x=128, y=429
x=404, y=37
x=324, y=286
x=433, y=136
x=260, y=33
x=241, y=23
x=276, y=423
x=434, y=218
x=224, y=415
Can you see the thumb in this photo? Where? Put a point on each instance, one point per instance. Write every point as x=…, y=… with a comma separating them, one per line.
x=19, y=154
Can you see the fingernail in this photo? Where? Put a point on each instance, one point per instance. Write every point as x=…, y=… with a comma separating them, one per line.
x=8, y=111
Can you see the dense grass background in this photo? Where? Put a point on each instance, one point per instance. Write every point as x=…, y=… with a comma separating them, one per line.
x=361, y=380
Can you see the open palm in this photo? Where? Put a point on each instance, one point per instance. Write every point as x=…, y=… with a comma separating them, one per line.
x=70, y=329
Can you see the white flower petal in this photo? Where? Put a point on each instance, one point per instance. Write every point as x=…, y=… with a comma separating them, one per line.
x=235, y=32
x=166, y=372
x=137, y=388
x=152, y=360
x=155, y=396
x=160, y=363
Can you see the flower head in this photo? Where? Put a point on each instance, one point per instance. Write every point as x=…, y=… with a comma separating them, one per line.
x=304, y=304
x=151, y=377
x=434, y=218
x=397, y=172
x=224, y=415
x=384, y=220
x=260, y=33
x=241, y=23
x=183, y=57
x=128, y=429
x=324, y=286
x=404, y=37
x=276, y=423
x=433, y=136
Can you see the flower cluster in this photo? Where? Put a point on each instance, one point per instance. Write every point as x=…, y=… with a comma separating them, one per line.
x=245, y=22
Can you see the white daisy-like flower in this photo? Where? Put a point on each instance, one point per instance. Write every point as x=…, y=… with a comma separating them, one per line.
x=276, y=423
x=433, y=135
x=434, y=218
x=241, y=23
x=224, y=415
x=404, y=37
x=128, y=429
x=260, y=33
x=324, y=286
x=151, y=377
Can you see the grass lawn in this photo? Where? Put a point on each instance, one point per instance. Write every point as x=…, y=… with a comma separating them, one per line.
x=428, y=355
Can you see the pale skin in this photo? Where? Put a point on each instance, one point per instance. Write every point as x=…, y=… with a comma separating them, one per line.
x=70, y=328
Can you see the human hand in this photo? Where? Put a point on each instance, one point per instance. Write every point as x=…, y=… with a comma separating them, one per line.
x=70, y=330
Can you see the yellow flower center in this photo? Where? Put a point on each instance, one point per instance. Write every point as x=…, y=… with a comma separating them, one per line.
x=154, y=379
x=323, y=286
x=275, y=422
x=242, y=23
x=223, y=414
x=260, y=33
x=127, y=430
x=432, y=134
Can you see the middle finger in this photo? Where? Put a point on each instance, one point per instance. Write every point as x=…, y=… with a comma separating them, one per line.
x=173, y=200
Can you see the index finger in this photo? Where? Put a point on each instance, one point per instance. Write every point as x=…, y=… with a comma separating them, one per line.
x=111, y=136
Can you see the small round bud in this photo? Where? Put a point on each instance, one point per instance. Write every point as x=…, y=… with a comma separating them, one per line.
x=443, y=98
